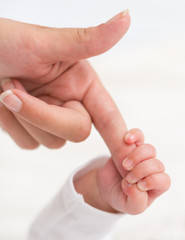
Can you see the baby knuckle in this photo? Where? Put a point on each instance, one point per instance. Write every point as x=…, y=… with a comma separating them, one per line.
x=160, y=165
x=168, y=181
x=151, y=149
x=137, y=156
x=156, y=165
x=137, y=131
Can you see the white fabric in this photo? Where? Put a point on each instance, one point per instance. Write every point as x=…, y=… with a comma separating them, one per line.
x=68, y=217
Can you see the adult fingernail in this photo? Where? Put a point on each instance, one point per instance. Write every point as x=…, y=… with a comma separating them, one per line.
x=124, y=13
x=142, y=186
x=127, y=164
x=1, y=104
x=119, y=16
x=7, y=84
x=11, y=101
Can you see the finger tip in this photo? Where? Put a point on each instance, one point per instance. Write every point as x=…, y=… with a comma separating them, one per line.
x=118, y=25
x=125, y=13
x=125, y=17
x=141, y=185
x=121, y=15
x=7, y=84
x=129, y=138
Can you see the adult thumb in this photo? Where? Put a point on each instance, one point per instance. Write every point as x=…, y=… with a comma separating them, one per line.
x=70, y=44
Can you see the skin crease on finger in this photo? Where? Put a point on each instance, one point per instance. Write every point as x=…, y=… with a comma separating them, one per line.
x=71, y=84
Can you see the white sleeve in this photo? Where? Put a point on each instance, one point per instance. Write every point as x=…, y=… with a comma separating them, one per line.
x=68, y=217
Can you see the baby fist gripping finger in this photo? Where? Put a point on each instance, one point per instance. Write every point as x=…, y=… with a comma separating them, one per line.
x=147, y=179
x=152, y=183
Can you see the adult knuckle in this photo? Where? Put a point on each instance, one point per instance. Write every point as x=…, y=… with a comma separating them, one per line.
x=28, y=145
x=80, y=34
x=83, y=132
x=54, y=143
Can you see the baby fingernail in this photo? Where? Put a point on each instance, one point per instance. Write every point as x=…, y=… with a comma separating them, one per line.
x=11, y=101
x=131, y=178
x=127, y=164
x=142, y=186
x=7, y=84
x=129, y=136
x=126, y=183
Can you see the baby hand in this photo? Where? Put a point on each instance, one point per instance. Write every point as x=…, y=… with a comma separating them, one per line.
x=144, y=181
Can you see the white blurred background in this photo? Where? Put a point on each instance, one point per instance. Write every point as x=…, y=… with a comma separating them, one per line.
x=145, y=74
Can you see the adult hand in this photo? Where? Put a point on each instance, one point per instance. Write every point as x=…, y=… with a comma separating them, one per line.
x=54, y=93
